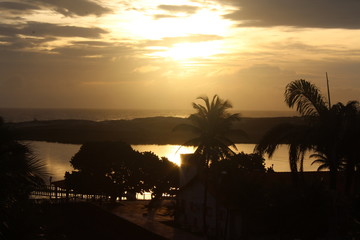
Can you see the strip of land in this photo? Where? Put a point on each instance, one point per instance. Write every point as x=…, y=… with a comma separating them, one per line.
x=154, y=130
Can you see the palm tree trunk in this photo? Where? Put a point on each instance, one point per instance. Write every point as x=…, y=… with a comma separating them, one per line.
x=350, y=172
x=333, y=170
x=206, y=186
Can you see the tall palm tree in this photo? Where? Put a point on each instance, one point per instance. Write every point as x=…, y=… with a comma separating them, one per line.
x=212, y=125
x=320, y=131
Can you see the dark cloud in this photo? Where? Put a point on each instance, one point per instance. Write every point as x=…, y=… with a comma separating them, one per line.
x=8, y=30
x=48, y=29
x=69, y=53
x=74, y=8
x=16, y=43
x=34, y=35
x=86, y=50
x=67, y=8
x=17, y=6
x=179, y=8
x=38, y=29
x=294, y=13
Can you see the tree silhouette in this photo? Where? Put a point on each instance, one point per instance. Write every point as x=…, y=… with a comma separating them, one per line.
x=105, y=168
x=349, y=140
x=212, y=125
x=113, y=168
x=327, y=130
x=20, y=173
x=160, y=175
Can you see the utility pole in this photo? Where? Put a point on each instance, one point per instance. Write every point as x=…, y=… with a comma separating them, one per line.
x=328, y=89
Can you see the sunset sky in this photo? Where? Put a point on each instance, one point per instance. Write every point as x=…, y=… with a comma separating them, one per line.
x=163, y=54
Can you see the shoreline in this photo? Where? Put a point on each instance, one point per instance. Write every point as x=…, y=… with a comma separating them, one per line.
x=17, y=115
x=151, y=130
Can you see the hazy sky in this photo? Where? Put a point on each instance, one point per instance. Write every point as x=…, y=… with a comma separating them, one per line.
x=163, y=54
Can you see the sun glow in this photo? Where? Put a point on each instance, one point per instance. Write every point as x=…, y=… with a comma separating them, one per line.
x=171, y=152
x=147, y=26
x=184, y=51
x=175, y=34
x=176, y=151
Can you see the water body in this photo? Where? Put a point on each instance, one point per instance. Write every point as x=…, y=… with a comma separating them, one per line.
x=57, y=156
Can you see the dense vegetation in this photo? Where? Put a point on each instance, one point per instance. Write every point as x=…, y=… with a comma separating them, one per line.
x=114, y=168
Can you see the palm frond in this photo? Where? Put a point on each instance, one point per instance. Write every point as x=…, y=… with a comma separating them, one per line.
x=215, y=101
x=323, y=167
x=280, y=134
x=193, y=142
x=206, y=101
x=306, y=96
x=200, y=110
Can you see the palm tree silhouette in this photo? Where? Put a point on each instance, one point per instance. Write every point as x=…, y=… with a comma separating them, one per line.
x=300, y=138
x=324, y=162
x=324, y=131
x=20, y=173
x=212, y=125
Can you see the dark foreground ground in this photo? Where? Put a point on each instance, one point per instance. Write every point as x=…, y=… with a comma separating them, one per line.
x=78, y=221
x=122, y=221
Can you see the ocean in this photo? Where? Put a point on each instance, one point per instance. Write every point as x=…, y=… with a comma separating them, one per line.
x=30, y=114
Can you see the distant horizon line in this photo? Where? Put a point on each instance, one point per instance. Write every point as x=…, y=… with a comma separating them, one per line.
x=142, y=109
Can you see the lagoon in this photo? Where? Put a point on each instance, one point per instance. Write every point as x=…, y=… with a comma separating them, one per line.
x=57, y=156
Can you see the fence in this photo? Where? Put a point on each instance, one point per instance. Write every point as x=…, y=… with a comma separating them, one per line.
x=56, y=193
x=53, y=192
